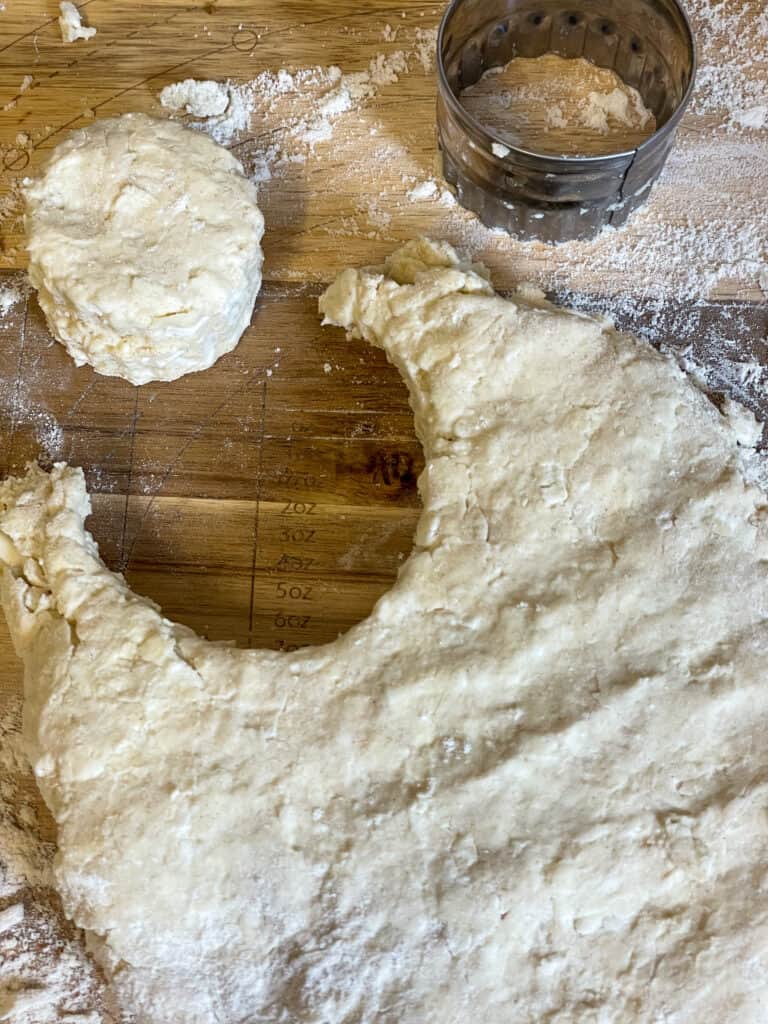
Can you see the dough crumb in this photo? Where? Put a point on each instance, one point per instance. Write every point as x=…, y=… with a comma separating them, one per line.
x=200, y=98
x=623, y=106
x=223, y=107
x=71, y=24
x=425, y=190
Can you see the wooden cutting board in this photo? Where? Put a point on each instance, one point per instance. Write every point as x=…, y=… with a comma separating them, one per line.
x=270, y=500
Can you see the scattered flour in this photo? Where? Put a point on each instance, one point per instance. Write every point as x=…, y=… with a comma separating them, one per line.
x=225, y=106
x=426, y=190
x=11, y=294
x=688, y=252
x=733, y=66
x=284, y=98
x=426, y=48
x=71, y=23
x=28, y=417
x=718, y=361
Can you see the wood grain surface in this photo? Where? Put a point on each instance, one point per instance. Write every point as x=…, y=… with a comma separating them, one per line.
x=270, y=500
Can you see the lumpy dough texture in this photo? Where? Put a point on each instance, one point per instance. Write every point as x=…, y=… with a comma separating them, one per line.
x=531, y=787
x=144, y=246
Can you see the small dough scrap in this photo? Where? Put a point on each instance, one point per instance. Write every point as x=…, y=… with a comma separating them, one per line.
x=71, y=24
x=201, y=99
x=531, y=787
x=144, y=242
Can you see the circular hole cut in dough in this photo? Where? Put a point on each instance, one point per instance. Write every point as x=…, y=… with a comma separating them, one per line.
x=144, y=243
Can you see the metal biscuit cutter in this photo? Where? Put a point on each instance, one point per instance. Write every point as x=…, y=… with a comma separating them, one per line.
x=648, y=43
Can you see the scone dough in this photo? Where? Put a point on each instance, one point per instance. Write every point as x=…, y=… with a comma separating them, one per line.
x=530, y=788
x=144, y=246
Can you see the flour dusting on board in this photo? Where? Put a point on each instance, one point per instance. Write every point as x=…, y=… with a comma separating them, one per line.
x=29, y=417
x=285, y=97
x=11, y=294
x=24, y=411
x=222, y=109
x=734, y=44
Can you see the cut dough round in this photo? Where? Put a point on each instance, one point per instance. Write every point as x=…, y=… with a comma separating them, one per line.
x=530, y=787
x=144, y=246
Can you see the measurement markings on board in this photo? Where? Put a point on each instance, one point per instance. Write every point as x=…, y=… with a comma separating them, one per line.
x=293, y=591
x=286, y=477
x=299, y=508
x=297, y=536
x=293, y=563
